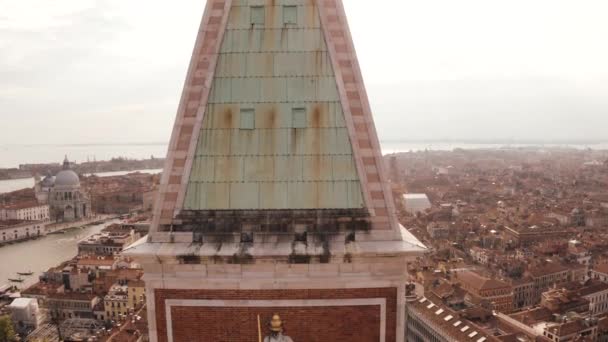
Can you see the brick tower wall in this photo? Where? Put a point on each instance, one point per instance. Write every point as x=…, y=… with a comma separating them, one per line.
x=344, y=315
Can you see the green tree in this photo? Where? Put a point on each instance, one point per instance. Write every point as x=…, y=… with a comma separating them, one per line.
x=7, y=333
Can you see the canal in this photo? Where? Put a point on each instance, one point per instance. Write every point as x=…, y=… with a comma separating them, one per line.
x=40, y=255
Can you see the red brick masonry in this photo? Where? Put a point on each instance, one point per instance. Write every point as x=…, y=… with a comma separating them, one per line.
x=303, y=324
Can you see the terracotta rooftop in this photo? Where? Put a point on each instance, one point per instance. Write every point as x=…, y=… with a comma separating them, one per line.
x=73, y=296
x=479, y=282
x=22, y=204
x=533, y=316
x=601, y=268
x=41, y=288
x=593, y=287
x=96, y=262
x=568, y=328
x=549, y=268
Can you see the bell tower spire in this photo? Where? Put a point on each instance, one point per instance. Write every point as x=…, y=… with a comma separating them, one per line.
x=274, y=197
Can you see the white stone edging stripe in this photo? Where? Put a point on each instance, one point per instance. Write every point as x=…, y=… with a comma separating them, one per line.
x=169, y=303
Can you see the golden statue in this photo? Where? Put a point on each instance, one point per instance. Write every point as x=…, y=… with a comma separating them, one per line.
x=276, y=330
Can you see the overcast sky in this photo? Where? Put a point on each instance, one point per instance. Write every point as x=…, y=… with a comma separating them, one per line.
x=103, y=71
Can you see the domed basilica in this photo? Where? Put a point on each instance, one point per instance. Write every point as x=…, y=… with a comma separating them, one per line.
x=67, y=202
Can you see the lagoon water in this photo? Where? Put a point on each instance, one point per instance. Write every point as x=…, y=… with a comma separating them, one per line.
x=39, y=255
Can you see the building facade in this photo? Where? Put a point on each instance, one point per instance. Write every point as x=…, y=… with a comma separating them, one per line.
x=137, y=293
x=524, y=293
x=597, y=294
x=274, y=197
x=16, y=230
x=71, y=305
x=116, y=303
x=25, y=212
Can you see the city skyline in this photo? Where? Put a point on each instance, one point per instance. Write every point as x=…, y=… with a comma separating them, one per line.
x=337, y=170
x=454, y=72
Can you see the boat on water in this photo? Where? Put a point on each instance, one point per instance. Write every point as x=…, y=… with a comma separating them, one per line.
x=16, y=280
x=28, y=273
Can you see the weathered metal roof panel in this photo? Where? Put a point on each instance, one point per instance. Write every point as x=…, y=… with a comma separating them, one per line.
x=214, y=142
x=273, y=89
x=336, y=109
x=273, y=142
x=354, y=195
x=316, y=63
x=303, y=195
x=244, y=195
x=243, y=142
x=217, y=195
x=306, y=16
x=318, y=168
x=221, y=92
x=222, y=116
x=245, y=89
x=203, y=169
x=232, y=65
x=295, y=151
x=304, y=39
x=274, y=195
x=228, y=169
x=259, y=64
x=344, y=168
x=258, y=169
x=288, y=168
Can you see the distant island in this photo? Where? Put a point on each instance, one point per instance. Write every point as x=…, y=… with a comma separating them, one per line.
x=112, y=165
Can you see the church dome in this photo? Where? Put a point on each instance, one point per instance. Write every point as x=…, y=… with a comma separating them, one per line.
x=48, y=181
x=67, y=178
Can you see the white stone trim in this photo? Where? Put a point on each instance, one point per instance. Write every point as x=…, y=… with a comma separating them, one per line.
x=169, y=303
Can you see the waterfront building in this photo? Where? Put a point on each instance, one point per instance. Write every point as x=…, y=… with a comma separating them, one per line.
x=18, y=230
x=111, y=240
x=104, y=244
x=67, y=200
x=274, y=198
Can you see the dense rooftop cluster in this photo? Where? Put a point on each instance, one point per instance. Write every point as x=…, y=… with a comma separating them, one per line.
x=521, y=233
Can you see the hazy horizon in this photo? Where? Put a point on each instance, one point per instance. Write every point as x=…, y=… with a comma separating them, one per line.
x=90, y=71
